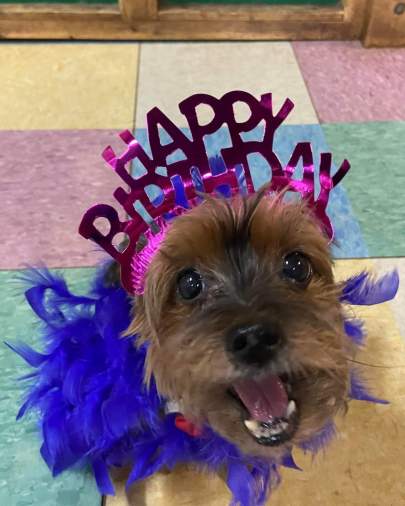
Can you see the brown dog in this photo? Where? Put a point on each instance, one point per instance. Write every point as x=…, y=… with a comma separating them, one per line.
x=244, y=324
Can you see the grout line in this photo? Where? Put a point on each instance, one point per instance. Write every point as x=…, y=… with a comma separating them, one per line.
x=137, y=78
x=306, y=84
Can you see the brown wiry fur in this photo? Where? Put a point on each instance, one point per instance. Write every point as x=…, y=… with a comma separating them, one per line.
x=238, y=246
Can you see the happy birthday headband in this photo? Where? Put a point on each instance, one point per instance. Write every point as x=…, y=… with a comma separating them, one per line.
x=196, y=172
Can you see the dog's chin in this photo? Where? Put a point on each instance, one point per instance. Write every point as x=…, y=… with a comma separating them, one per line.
x=298, y=410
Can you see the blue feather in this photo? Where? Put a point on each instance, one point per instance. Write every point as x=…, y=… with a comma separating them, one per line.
x=321, y=439
x=288, y=461
x=102, y=477
x=32, y=357
x=359, y=392
x=363, y=290
x=240, y=481
x=87, y=388
x=354, y=330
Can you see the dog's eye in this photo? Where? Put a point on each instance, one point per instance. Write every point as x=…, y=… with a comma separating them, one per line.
x=189, y=284
x=297, y=268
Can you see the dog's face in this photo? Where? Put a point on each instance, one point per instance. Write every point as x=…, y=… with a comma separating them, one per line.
x=244, y=325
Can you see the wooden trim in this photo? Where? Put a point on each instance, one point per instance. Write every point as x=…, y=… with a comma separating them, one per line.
x=49, y=21
x=147, y=20
x=250, y=22
x=385, y=24
x=251, y=13
x=355, y=12
x=138, y=9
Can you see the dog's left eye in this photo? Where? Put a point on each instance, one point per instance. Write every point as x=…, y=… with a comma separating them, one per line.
x=189, y=284
x=297, y=268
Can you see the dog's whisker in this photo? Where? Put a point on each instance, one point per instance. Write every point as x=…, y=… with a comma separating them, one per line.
x=378, y=366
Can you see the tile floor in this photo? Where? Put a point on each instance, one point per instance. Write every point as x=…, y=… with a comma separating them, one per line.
x=61, y=103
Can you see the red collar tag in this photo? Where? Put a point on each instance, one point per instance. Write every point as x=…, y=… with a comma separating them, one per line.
x=188, y=427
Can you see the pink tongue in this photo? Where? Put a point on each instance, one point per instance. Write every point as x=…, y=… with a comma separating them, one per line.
x=265, y=399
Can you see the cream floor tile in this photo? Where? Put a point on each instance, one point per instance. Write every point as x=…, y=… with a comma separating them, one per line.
x=63, y=86
x=170, y=72
x=363, y=466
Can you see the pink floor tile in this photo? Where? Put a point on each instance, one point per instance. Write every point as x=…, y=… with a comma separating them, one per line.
x=349, y=83
x=48, y=180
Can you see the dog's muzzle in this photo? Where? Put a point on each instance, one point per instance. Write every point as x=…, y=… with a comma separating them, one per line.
x=269, y=416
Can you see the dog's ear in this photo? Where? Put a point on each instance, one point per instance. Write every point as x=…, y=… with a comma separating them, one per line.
x=138, y=325
x=149, y=307
x=158, y=289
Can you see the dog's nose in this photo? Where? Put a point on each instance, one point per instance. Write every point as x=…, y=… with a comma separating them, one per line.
x=253, y=344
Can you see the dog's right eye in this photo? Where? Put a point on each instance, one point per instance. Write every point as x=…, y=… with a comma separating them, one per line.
x=297, y=268
x=189, y=284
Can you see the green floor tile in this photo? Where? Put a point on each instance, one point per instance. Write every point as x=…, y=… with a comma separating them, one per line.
x=24, y=478
x=376, y=181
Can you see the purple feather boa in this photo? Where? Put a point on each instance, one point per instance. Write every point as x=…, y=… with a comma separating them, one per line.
x=87, y=386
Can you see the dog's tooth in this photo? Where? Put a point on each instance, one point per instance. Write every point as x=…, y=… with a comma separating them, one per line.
x=257, y=429
x=290, y=408
x=252, y=425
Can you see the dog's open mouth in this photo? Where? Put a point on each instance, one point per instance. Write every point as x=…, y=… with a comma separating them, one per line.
x=270, y=417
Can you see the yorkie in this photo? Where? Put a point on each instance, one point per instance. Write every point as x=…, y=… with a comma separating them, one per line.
x=243, y=322
x=233, y=318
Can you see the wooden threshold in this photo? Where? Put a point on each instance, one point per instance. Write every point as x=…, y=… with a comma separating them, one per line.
x=50, y=21
x=251, y=13
x=101, y=22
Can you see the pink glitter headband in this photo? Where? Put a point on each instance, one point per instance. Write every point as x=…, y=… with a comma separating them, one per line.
x=193, y=173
